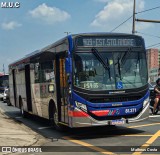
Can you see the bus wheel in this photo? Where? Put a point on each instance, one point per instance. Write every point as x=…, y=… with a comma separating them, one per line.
x=54, y=121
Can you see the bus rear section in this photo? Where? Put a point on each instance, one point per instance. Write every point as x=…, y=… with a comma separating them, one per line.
x=109, y=81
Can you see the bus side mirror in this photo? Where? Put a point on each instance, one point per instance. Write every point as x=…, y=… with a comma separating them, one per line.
x=67, y=65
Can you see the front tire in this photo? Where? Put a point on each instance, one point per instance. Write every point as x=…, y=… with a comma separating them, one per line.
x=54, y=121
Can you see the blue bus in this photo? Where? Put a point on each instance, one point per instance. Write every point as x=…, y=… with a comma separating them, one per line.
x=83, y=80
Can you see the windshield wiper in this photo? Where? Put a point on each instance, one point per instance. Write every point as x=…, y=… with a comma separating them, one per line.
x=137, y=64
x=102, y=61
x=127, y=53
x=119, y=68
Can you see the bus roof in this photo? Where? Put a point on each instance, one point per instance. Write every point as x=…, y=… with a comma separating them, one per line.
x=47, y=48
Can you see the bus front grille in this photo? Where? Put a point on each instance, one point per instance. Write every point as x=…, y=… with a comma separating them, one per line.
x=115, y=99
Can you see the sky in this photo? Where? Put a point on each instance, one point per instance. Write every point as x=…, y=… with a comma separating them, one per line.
x=38, y=23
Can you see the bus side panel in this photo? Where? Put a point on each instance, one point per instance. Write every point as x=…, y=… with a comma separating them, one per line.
x=21, y=89
x=14, y=86
x=35, y=94
x=11, y=91
x=41, y=96
x=40, y=105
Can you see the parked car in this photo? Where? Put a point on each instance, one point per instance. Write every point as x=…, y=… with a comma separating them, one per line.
x=5, y=95
x=1, y=94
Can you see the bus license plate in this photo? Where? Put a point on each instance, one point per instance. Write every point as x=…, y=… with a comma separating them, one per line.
x=117, y=122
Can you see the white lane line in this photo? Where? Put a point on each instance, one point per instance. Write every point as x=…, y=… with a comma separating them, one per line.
x=154, y=116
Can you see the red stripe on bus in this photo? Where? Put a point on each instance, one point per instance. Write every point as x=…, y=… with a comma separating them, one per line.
x=77, y=114
x=100, y=112
x=113, y=112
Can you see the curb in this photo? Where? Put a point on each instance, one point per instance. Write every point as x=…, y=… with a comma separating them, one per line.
x=3, y=113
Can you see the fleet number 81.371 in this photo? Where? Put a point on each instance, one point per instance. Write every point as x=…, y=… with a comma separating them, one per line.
x=130, y=110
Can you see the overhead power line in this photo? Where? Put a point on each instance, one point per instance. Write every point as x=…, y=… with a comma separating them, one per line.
x=147, y=34
x=132, y=16
x=157, y=46
x=121, y=23
x=153, y=45
x=148, y=10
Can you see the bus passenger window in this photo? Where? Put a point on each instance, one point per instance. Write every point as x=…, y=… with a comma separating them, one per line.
x=36, y=72
x=44, y=72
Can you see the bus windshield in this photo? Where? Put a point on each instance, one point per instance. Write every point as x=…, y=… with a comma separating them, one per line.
x=125, y=70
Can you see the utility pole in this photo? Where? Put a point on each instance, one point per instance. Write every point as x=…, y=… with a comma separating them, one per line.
x=3, y=70
x=140, y=20
x=134, y=13
x=67, y=33
x=147, y=20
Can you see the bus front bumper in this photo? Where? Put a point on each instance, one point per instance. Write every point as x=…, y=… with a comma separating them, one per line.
x=85, y=120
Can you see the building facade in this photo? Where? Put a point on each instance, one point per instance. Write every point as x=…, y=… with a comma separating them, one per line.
x=153, y=58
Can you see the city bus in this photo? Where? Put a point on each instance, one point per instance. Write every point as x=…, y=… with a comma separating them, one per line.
x=4, y=83
x=82, y=80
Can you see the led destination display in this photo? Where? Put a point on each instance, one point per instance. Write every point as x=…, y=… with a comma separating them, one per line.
x=106, y=42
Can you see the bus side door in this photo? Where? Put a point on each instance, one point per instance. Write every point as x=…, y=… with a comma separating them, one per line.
x=63, y=89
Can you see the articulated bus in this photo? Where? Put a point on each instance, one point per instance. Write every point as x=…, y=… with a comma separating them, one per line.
x=83, y=80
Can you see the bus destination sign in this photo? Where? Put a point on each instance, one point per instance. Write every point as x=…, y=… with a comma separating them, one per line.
x=106, y=42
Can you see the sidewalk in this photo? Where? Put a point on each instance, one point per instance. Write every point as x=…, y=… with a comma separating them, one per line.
x=13, y=133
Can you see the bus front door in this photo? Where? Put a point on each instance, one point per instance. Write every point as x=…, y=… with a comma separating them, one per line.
x=63, y=109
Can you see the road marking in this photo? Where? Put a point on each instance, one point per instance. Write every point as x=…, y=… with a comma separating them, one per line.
x=139, y=126
x=45, y=127
x=137, y=135
x=154, y=116
x=148, y=143
x=92, y=147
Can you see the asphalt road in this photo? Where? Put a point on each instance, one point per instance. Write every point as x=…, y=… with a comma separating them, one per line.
x=136, y=138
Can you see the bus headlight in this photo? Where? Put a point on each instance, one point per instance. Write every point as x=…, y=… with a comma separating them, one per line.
x=81, y=106
x=145, y=102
